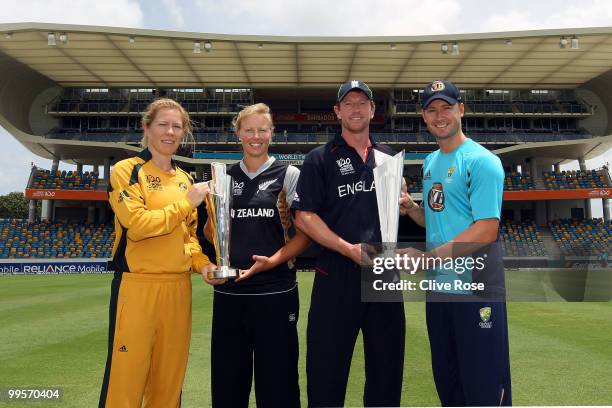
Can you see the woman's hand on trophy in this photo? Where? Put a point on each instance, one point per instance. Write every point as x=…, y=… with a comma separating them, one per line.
x=208, y=276
x=262, y=263
x=197, y=193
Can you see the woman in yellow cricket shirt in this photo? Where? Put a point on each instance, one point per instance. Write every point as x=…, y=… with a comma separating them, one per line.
x=155, y=251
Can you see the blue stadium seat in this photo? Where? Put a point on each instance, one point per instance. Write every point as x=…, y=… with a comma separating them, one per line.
x=521, y=239
x=21, y=239
x=582, y=237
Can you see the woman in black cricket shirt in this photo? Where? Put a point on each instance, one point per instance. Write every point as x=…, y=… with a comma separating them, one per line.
x=255, y=316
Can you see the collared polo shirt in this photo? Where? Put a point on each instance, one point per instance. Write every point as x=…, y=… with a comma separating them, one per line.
x=337, y=185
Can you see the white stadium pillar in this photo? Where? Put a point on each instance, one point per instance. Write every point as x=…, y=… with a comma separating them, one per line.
x=587, y=203
x=588, y=214
x=606, y=208
x=47, y=210
x=32, y=210
x=47, y=205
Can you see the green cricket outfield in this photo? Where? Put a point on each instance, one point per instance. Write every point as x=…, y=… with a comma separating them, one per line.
x=53, y=333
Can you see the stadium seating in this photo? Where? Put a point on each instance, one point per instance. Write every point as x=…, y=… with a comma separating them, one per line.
x=530, y=107
x=573, y=107
x=21, y=239
x=487, y=106
x=406, y=107
x=414, y=184
x=64, y=180
x=140, y=105
x=516, y=181
x=521, y=239
x=582, y=237
x=574, y=179
x=478, y=106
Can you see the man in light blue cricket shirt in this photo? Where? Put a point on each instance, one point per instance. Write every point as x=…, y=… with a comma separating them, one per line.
x=466, y=309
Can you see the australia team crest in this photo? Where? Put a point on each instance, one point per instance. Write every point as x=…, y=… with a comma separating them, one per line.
x=485, y=317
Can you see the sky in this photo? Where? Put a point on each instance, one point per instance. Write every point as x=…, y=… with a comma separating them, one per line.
x=282, y=17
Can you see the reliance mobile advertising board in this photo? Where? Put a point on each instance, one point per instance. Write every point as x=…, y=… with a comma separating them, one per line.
x=51, y=266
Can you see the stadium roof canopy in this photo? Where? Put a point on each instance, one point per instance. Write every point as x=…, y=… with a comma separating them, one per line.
x=90, y=56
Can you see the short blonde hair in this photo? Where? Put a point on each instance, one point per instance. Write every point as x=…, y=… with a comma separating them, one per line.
x=154, y=107
x=256, y=109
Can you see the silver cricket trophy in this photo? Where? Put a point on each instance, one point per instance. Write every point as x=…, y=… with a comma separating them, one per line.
x=218, y=206
x=388, y=181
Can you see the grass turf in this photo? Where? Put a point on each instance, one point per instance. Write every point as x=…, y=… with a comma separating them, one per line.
x=53, y=333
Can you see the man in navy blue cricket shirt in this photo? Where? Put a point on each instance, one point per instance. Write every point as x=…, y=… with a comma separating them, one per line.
x=336, y=206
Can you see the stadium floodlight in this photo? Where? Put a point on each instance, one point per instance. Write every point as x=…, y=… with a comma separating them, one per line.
x=455, y=48
x=562, y=42
x=51, y=39
x=392, y=46
x=574, y=43
x=63, y=37
x=197, y=47
x=444, y=48
x=259, y=46
x=132, y=39
x=508, y=41
x=207, y=46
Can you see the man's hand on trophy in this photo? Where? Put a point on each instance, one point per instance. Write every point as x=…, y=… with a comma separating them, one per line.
x=416, y=259
x=406, y=202
x=262, y=263
x=198, y=192
x=361, y=254
x=208, y=276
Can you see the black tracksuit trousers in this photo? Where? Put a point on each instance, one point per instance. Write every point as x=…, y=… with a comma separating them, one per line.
x=336, y=315
x=255, y=331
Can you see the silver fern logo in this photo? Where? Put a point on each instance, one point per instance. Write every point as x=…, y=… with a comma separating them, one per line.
x=264, y=186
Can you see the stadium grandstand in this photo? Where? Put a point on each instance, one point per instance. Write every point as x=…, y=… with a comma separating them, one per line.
x=537, y=99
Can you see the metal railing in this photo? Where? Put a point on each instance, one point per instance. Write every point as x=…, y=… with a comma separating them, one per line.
x=136, y=107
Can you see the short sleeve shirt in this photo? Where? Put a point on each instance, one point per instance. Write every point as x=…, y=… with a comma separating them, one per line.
x=337, y=185
x=459, y=188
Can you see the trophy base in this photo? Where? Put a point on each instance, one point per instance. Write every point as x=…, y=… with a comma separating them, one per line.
x=225, y=272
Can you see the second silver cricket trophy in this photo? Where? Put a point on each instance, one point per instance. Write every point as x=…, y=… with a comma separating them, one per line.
x=388, y=182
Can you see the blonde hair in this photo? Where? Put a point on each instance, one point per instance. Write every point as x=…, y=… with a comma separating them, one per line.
x=256, y=109
x=154, y=107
